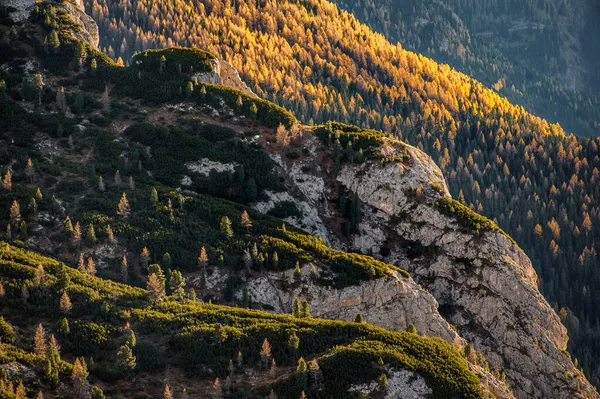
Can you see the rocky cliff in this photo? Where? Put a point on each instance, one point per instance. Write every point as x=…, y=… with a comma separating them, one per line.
x=485, y=285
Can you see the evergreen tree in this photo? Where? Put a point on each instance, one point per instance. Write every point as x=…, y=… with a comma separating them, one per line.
x=293, y=343
x=176, y=284
x=167, y=392
x=126, y=360
x=226, y=227
x=304, y=309
x=154, y=197
x=301, y=373
x=90, y=236
x=64, y=328
x=296, y=307
x=251, y=190
x=359, y=318
x=167, y=262
x=97, y=393
x=68, y=226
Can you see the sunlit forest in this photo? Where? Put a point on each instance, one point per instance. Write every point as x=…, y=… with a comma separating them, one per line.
x=536, y=54
x=541, y=184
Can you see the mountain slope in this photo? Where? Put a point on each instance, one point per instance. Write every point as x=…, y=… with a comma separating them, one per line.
x=86, y=118
x=539, y=184
x=76, y=125
x=539, y=54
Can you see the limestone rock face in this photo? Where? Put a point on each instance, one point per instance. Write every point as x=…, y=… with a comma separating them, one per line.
x=391, y=302
x=225, y=74
x=485, y=285
x=89, y=29
x=75, y=8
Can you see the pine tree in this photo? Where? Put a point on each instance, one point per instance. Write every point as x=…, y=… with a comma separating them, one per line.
x=90, y=236
x=64, y=328
x=296, y=307
x=411, y=329
x=65, y=303
x=68, y=226
x=301, y=373
x=304, y=309
x=123, y=209
x=167, y=262
x=154, y=197
x=61, y=100
x=226, y=227
x=176, y=284
x=245, y=221
x=38, y=82
x=97, y=393
x=131, y=339
x=38, y=195
x=101, y=185
x=23, y=230
x=251, y=190
x=39, y=341
x=131, y=183
x=117, y=178
x=192, y=294
x=359, y=318
x=53, y=360
x=293, y=343
x=125, y=359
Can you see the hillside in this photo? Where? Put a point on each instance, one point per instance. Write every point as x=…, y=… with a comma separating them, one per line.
x=196, y=196
x=538, y=183
x=541, y=55
x=108, y=317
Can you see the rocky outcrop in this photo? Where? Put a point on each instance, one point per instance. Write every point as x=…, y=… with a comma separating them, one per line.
x=75, y=8
x=223, y=73
x=485, y=284
x=390, y=302
x=89, y=29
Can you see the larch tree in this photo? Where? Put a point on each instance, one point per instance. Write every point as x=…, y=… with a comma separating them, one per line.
x=226, y=227
x=245, y=221
x=15, y=213
x=123, y=208
x=39, y=341
x=155, y=289
x=65, y=303
x=265, y=353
